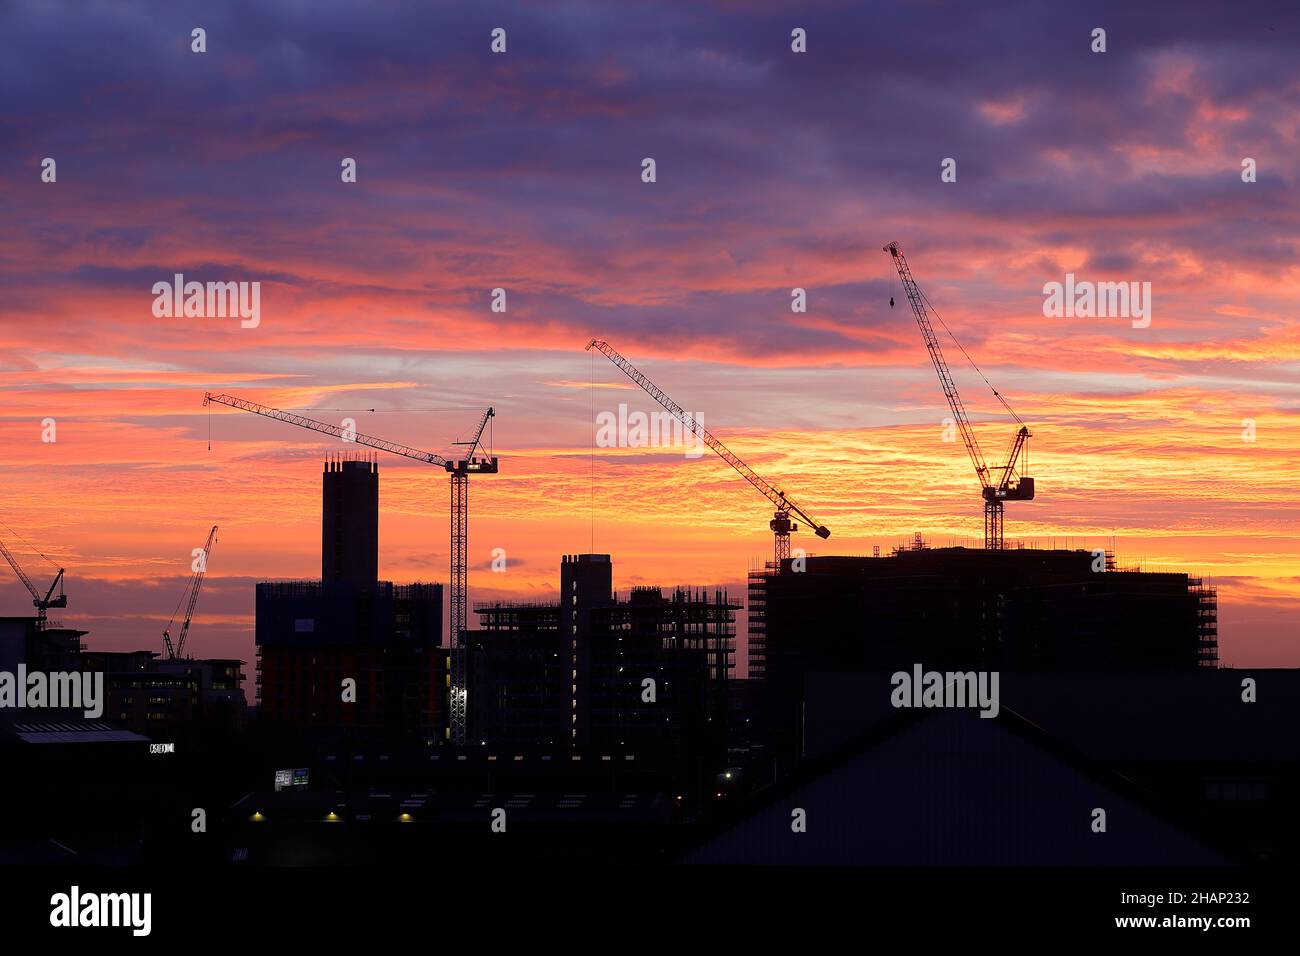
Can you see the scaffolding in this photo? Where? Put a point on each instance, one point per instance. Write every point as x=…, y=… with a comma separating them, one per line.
x=757, y=627
x=1206, y=597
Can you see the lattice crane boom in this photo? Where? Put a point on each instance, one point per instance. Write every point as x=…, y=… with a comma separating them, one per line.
x=997, y=491
x=940, y=363
x=302, y=421
x=18, y=570
x=478, y=434
x=780, y=525
x=192, y=590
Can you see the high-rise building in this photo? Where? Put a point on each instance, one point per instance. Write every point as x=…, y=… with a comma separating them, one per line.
x=586, y=584
x=350, y=522
x=313, y=636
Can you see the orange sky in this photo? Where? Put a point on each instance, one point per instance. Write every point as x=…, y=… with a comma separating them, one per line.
x=523, y=173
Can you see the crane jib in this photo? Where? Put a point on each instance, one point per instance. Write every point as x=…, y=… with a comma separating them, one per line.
x=326, y=428
x=994, y=493
x=783, y=504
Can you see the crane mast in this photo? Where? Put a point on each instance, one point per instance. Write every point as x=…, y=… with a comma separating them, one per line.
x=780, y=525
x=192, y=589
x=1005, y=484
x=459, y=470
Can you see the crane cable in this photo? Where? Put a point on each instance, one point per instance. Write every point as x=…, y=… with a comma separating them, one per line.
x=184, y=595
x=997, y=394
x=31, y=547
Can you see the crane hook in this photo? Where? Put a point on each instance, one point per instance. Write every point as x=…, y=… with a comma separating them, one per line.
x=891, y=301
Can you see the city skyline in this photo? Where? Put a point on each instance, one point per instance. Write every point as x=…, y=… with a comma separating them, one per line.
x=524, y=173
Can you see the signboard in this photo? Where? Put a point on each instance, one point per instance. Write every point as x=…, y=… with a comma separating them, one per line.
x=296, y=777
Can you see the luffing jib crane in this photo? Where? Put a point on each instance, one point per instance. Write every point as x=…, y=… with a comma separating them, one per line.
x=781, y=525
x=460, y=470
x=998, y=485
x=40, y=603
x=191, y=591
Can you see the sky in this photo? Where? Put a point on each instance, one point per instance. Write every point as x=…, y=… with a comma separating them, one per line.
x=523, y=170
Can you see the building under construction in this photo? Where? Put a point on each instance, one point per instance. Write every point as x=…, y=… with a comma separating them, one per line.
x=1020, y=609
x=968, y=609
x=645, y=675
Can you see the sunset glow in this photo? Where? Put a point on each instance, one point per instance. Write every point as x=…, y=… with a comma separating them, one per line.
x=526, y=177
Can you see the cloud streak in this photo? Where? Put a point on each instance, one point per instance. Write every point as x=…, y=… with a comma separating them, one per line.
x=522, y=172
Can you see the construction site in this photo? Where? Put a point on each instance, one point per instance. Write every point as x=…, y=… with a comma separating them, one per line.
x=1004, y=606
x=647, y=673
x=600, y=693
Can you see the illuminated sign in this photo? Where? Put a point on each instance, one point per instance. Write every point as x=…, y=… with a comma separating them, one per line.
x=296, y=777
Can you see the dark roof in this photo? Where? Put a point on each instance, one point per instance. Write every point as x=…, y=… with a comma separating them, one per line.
x=1195, y=715
x=73, y=732
x=947, y=787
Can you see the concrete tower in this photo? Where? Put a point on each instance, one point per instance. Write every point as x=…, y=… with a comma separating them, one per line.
x=350, y=523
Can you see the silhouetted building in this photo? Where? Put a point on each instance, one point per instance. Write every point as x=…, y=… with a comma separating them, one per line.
x=593, y=673
x=57, y=762
x=50, y=648
x=350, y=522
x=948, y=788
x=1025, y=609
x=167, y=699
x=523, y=677
x=1212, y=750
x=312, y=636
x=959, y=609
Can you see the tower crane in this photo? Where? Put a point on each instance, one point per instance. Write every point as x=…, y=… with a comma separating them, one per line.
x=781, y=525
x=460, y=470
x=998, y=485
x=192, y=589
x=40, y=603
